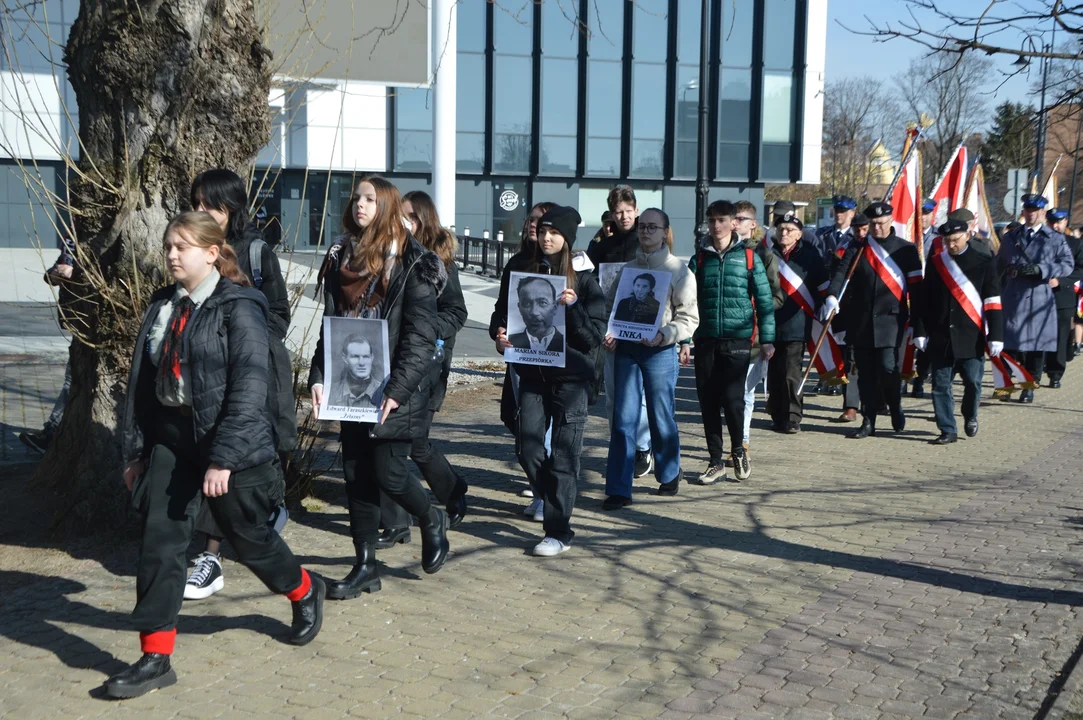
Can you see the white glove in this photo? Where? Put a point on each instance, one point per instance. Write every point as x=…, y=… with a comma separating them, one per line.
x=995, y=348
x=921, y=343
x=831, y=304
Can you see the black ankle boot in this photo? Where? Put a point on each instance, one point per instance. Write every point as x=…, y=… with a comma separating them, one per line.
x=150, y=672
x=434, y=544
x=391, y=537
x=456, y=505
x=308, y=613
x=364, y=577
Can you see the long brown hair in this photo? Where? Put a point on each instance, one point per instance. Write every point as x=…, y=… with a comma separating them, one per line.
x=562, y=267
x=524, y=239
x=369, y=247
x=430, y=232
x=201, y=230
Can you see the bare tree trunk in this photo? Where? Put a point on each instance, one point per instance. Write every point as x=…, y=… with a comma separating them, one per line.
x=165, y=88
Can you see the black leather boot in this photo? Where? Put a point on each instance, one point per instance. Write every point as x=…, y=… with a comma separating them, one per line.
x=150, y=672
x=456, y=505
x=364, y=577
x=867, y=428
x=391, y=537
x=434, y=544
x=308, y=613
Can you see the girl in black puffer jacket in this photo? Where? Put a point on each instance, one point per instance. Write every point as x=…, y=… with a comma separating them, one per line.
x=378, y=270
x=449, y=488
x=559, y=396
x=196, y=424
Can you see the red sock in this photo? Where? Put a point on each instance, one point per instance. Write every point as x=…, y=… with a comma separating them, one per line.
x=158, y=642
x=301, y=590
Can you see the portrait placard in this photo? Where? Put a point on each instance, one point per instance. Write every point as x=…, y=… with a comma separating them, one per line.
x=535, y=320
x=639, y=304
x=357, y=365
x=607, y=276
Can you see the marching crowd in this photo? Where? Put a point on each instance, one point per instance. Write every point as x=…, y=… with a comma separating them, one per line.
x=209, y=418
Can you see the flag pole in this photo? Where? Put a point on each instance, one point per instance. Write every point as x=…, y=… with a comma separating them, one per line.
x=827, y=324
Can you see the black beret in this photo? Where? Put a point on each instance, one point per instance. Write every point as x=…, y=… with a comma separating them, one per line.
x=961, y=214
x=781, y=207
x=953, y=225
x=791, y=218
x=859, y=219
x=878, y=210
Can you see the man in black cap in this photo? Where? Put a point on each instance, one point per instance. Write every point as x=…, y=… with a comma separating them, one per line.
x=887, y=278
x=1056, y=362
x=977, y=241
x=1029, y=257
x=779, y=210
x=959, y=329
x=851, y=399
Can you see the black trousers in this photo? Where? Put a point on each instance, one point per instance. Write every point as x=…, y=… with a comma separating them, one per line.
x=437, y=471
x=205, y=522
x=850, y=395
x=783, y=379
x=1032, y=360
x=371, y=465
x=1056, y=362
x=721, y=368
x=879, y=379
x=169, y=495
x=555, y=474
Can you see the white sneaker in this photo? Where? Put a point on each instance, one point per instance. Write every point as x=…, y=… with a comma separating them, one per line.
x=206, y=579
x=534, y=507
x=527, y=493
x=550, y=547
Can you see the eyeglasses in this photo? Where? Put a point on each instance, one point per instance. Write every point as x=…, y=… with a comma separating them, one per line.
x=651, y=228
x=743, y=218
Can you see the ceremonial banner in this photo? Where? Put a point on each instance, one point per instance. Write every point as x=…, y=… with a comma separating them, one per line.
x=536, y=320
x=949, y=192
x=977, y=203
x=357, y=360
x=905, y=196
x=828, y=361
x=639, y=304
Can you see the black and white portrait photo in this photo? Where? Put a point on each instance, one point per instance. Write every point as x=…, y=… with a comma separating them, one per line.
x=607, y=275
x=638, y=304
x=356, y=352
x=535, y=320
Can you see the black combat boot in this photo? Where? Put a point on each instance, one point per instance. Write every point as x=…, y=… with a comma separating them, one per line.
x=308, y=613
x=150, y=672
x=364, y=577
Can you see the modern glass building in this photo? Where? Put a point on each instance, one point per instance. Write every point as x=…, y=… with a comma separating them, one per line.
x=558, y=100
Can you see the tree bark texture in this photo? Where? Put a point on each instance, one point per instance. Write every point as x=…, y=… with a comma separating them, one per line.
x=165, y=89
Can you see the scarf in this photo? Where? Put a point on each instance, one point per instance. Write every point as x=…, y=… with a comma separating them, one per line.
x=168, y=381
x=356, y=293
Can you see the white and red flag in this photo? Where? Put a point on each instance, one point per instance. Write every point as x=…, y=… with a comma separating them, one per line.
x=905, y=196
x=977, y=203
x=949, y=193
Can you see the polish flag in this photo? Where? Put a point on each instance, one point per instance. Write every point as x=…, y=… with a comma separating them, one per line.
x=977, y=203
x=950, y=189
x=906, y=196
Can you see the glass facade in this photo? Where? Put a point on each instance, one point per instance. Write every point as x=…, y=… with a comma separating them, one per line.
x=574, y=89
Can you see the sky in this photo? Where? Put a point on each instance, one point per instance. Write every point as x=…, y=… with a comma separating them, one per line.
x=853, y=55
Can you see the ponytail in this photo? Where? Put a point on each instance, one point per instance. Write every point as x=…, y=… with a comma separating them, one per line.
x=227, y=265
x=202, y=230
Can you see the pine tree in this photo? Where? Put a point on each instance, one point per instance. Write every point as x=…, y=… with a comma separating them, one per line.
x=1010, y=143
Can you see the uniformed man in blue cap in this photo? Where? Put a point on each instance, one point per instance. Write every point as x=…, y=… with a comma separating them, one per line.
x=1066, y=300
x=834, y=240
x=928, y=224
x=1030, y=257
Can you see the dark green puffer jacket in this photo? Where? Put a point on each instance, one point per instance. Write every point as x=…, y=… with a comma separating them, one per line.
x=726, y=292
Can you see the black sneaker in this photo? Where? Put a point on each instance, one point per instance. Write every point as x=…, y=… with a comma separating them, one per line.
x=644, y=463
x=36, y=441
x=616, y=502
x=206, y=579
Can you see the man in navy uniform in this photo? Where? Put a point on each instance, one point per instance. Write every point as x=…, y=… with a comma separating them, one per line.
x=1029, y=257
x=875, y=311
x=1066, y=300
x=928, y=222
x=959, y=330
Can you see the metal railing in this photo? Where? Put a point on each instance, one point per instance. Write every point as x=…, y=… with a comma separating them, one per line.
x=483, y=254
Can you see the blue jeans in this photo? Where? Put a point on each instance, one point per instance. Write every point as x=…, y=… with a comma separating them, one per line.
x=643, y=431
x=943, y=372
x=640, y=371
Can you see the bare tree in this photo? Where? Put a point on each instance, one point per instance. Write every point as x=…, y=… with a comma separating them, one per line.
x=949, y=90
x=994, y=27
x=857, y=113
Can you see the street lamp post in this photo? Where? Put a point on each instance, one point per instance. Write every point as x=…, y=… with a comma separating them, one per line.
x=702, y=186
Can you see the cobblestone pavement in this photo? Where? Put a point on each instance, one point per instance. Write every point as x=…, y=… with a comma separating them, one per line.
x=875, y=579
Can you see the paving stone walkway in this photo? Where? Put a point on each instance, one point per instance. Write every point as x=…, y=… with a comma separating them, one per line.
x=856, y=579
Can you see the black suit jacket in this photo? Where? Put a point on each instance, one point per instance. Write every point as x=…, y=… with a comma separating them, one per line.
x=522, y=341
x=871, y=315
x=951, y=332
x=1064, y=293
